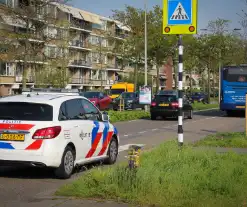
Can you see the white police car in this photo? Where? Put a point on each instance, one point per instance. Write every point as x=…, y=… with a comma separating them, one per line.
x=57, y=130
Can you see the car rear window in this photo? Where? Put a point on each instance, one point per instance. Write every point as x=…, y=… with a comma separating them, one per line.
x=26, y=111
x=166, y=98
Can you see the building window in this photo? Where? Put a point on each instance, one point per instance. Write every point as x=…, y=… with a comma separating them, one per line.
x=6, y=69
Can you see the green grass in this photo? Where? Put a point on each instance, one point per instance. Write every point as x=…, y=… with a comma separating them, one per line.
x=116, y=116
x=169, y=177
x=200, y=106
x=235, y=140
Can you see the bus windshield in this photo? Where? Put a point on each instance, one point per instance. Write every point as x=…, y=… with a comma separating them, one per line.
x=235, y=74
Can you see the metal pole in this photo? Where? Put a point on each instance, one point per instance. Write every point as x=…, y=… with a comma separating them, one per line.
x=180, y=92
x=220, y=65
x=146, y=65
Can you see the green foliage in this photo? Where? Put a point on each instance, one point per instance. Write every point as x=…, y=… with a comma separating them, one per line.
x=141, y=79
x=235, y=140
x=116, y=116
x=169, y=177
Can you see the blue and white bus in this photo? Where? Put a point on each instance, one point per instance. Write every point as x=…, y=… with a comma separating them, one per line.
x=233, y=89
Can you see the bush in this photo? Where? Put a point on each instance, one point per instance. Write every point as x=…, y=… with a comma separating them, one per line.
x=169, y=177
x=116, y=116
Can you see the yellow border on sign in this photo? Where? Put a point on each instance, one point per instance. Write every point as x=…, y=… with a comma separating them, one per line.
x=180, y=29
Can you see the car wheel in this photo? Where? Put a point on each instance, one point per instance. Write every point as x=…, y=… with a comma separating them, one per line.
x=190, y=114
x=112, y=153
x=66, y=168
x=153, y=117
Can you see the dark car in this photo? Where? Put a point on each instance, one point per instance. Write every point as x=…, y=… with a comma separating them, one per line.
x=99, y=99
x=199, y=97
x=166, y=105
x=130, y=99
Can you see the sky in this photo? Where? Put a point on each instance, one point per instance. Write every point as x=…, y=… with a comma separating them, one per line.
x=207, y=9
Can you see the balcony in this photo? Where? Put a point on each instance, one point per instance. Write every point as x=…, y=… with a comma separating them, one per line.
x=30, y=79
x=7, y=79
x=79, y=44
x=81, y=25
x=79, y=81
x=32, y=59
x=81, y=63
x=91, y=82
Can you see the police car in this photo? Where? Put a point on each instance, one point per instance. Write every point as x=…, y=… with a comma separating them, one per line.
x=55, y=128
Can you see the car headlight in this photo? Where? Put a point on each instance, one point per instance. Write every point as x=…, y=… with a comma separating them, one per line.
x=130, y=101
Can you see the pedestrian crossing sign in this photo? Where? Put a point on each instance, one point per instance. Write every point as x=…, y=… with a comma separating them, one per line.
x=180, y=17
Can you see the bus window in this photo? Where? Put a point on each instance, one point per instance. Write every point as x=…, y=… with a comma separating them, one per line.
x=235, y=74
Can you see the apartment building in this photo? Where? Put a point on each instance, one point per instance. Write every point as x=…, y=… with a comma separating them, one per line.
x=92, y=62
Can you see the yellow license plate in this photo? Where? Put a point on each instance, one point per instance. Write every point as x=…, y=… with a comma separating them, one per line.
x=163, y=104
x=12, y=137
x=240, y=107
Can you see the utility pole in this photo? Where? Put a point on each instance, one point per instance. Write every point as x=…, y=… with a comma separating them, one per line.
x=146, y=64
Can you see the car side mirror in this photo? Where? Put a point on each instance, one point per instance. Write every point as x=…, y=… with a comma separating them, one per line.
x=105, y=117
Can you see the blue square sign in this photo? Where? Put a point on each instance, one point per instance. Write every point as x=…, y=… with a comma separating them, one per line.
x=179, y=12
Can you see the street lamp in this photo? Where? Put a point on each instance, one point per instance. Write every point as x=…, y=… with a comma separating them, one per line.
x=220, y=57
x=146, y=64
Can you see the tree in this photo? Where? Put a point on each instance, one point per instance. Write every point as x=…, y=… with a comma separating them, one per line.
x=159, y=45
x=27, y=42
x=134, y=19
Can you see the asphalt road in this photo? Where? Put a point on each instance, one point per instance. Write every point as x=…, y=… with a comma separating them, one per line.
x=31, y=187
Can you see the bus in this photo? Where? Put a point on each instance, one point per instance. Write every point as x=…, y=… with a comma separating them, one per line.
x=233, y=88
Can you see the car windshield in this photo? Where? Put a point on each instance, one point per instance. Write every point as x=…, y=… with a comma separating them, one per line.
x=117, y=91
x=91, y=94
x=26, y=111
x=166, y=98
x=167, y=93
x=197, y=94
x=128, y=95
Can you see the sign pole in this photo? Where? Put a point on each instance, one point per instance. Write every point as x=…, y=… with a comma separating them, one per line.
x=180, y=92
x=180, y=18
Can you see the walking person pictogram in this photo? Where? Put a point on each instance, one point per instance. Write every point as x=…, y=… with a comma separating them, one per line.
x=179, y=13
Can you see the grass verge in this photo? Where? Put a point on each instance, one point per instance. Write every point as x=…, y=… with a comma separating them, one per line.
x=168, y=177
x=116, y=116
x=234, y=139
x=197, y=106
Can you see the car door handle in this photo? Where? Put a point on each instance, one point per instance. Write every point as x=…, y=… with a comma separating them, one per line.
x=76, y=126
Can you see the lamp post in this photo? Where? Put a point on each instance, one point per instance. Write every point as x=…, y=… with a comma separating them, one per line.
x=220, y=59
x=146, y=64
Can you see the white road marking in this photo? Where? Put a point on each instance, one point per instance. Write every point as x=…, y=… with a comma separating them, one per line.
x=126, y=147
x=155, y=129
x=142, y=132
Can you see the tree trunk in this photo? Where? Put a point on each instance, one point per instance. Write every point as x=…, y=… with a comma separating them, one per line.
x=175, y=72
x=214, y=83
x=209, y=66
x=136, y=74
x=190, y=81
x=24, y=72
x=157, y=78
x=101, y=65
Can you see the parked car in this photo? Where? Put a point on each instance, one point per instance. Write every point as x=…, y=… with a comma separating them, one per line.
x=55, y=130
x=199, y=97
x=99, y=99
x=166, y=105
x=131, y=101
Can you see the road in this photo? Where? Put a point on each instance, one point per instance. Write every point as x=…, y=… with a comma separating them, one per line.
x=30, y=187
